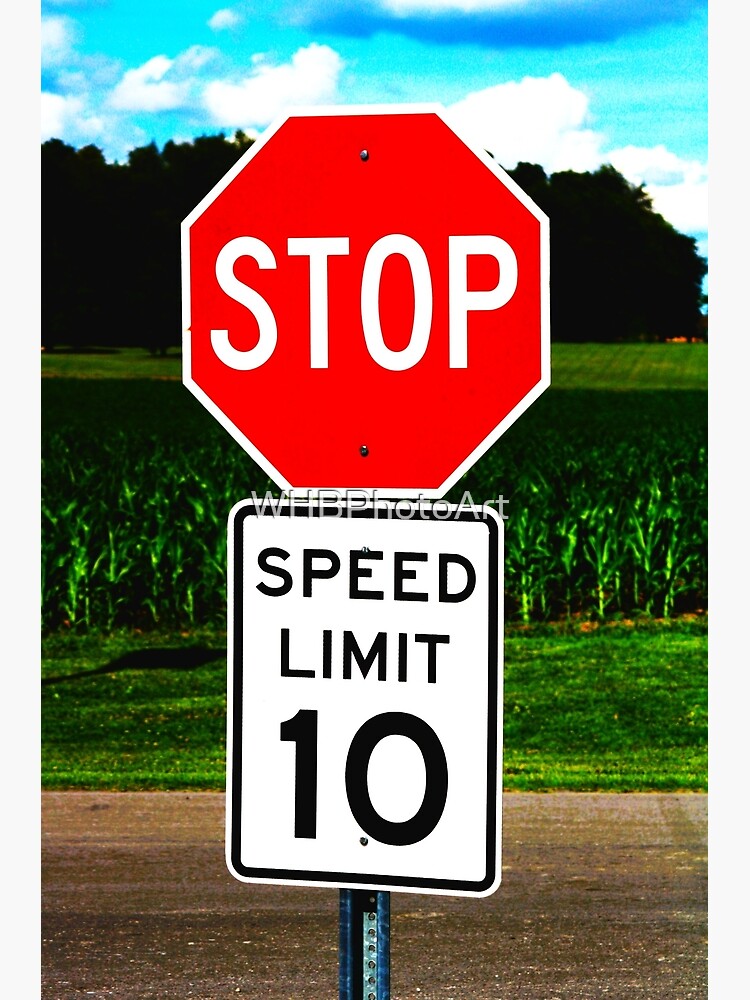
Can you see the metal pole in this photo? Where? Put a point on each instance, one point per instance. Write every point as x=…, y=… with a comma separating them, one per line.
x=364, y=945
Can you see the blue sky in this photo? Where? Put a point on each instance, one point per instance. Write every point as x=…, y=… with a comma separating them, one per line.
x=569, y=84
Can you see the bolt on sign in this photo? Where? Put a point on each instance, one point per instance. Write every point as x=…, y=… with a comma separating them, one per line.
x=365, y=301
x=364, y=698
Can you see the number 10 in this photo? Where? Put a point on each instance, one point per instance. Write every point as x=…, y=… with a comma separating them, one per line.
x=302, y=729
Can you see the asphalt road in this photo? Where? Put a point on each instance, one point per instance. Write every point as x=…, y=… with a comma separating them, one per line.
x=602, y=896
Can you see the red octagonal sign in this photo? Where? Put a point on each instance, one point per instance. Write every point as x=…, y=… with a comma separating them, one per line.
x=365, y=301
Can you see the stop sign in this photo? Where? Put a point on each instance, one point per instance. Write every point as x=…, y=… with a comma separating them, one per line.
x=365, y=301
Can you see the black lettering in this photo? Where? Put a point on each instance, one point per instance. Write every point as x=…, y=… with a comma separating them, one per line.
x=309, y=573
x=326, y=652
x=427, y=816
x=356, y=572
x=351, y=649
x=402, y=655
x=432, y=641
x=279, y=571
x=286, y=670
x=302, y=730
x=400, y=574
x=444, y=560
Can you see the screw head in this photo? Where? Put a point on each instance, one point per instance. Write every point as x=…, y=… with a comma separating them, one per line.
x=364, y=841
x=364, y=450
x=364, y=156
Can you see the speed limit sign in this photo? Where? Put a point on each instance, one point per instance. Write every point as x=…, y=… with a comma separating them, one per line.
x=364, y=719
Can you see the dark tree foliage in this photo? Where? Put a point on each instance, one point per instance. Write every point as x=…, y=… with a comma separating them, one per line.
x=111, y=239
x=618, y=269
x=111, y=247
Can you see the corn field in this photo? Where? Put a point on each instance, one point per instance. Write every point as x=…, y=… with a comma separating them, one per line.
x=606, y=513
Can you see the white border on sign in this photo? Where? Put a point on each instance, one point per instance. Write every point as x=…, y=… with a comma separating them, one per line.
x=392, y=490
x=235, y=667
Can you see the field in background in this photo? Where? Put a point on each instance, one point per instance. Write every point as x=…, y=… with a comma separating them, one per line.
x=606, y=490
x=617, y=709
x=574, y=366
x=630, y=366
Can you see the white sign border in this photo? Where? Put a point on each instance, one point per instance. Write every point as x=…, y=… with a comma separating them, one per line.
x=533, y=394
x=235, y=625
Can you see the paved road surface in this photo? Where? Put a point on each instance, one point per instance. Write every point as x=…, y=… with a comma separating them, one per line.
x=603, y=896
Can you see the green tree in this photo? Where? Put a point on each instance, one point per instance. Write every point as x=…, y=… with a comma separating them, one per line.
x=618, y=269
x=111, y=247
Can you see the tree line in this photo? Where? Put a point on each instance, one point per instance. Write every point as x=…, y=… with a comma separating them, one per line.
x=110, y=247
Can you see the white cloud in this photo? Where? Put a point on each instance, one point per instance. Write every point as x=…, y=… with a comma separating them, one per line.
x=684, y=205
x=56, y=113
x=311, y=77
x=678, y=188
x=94, y=101
x=223, y=19
x=70, y=119
x=656, y=166
x=144, y=89
x=57, y=36
x=498, y=119
x=196, y=58
x=66, y=118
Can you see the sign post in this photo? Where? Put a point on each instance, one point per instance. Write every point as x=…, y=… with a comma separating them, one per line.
x=364, y=945
x=366, y=311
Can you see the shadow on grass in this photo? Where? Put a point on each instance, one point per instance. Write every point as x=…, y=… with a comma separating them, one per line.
x=147, y=659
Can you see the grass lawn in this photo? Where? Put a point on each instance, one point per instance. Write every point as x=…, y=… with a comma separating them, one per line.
x=111, y=363
x=630, y=366
x=615, y=708
x=618, y=708
x=574, y=366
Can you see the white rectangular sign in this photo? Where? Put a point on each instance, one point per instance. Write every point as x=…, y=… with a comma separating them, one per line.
x=364, y=717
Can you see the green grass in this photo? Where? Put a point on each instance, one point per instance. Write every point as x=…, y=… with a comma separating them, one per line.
x=605, y=494
x=105, y=725
x=630, y=366
x=111, y=363
x=617, y=708
x=574, y=366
